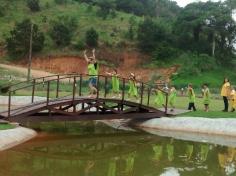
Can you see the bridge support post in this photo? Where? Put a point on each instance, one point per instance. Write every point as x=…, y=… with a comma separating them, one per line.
x=148, y=100
x=123, y=94
x=33, y=90
x=9, y=105
x=58, y=79
x=73, y=96
x=166, y=107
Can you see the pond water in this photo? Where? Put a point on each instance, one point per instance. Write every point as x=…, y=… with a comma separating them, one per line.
x=94, y=149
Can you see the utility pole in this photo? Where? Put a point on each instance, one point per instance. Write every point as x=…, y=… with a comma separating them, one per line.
x=30, y=52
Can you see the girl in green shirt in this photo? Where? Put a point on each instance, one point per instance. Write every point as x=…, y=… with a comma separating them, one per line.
x=191, y=97
x=159, y=100
x=133, y=90
x=172, y=97
x=115, y=81
x=206, y=97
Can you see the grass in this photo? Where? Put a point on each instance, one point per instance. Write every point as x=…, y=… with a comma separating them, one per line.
x=6, y=126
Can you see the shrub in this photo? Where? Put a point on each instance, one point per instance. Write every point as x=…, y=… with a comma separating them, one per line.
x=60, y=34
x=92, y=38
x=33, y=5
x=60, y=1
x=196, y=64
x=62, y=30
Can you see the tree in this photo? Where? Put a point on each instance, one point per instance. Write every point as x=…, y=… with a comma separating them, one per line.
x=151, y=34
x=62, y=30
x=107, y=7
x=92, y=38
x=60, y=1
x=19, y=40
x=33, y=5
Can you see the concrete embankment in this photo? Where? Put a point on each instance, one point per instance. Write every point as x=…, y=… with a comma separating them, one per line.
x=12, y=137
x=219, y=126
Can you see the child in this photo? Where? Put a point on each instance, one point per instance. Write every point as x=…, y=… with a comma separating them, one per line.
x=233, y=99
x=159, y=100
x=172, y=97
x=206, y=97
x=92, y=72
x=115, y=82
x=192, y=98
x=133, y=91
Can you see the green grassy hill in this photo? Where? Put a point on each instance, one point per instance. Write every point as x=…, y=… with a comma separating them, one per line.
x=112, y=31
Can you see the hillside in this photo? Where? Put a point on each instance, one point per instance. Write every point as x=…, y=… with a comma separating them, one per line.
x=111, y=31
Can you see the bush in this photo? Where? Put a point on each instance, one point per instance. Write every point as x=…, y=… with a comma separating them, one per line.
x=196, y=64
x=80, y=45
x=62, y=30
x=33, y=5
x=60, y=34
x=60, y=1
x=19, y=39
x=2, y=10
x=92, y=38
x=164, y=52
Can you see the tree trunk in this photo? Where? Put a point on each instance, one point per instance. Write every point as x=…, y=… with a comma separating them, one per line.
x=213, y=45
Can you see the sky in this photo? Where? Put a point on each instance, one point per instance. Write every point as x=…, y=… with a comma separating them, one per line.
x=183, y=3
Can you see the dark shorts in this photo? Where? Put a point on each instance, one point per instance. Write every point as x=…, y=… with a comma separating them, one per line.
x=93, y=81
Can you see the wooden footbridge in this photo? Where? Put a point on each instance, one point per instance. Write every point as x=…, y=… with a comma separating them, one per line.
x=65, y=97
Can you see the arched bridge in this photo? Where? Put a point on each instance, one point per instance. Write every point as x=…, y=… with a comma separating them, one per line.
x=65, y=97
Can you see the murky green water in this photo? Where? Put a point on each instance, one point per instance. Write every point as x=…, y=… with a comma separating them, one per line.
x=93, y=149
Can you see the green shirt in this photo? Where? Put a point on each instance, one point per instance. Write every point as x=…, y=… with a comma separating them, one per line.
x=91, y=70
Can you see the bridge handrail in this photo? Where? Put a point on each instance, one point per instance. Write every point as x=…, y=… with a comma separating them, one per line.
x=34, y=82
x=71, y=75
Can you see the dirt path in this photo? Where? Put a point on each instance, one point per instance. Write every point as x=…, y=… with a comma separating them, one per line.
x=35, y=73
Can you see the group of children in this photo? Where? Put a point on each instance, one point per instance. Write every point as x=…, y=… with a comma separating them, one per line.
x=227, y=92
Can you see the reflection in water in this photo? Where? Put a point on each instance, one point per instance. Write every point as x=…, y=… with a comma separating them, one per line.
x=107, y=152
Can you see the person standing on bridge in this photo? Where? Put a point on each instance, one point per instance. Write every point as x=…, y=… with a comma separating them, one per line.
x=133, y=90
x=159, y=99
x=115, y=82
x=172, y=97
x=92, y=72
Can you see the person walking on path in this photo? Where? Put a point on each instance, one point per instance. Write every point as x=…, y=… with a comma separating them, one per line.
x=172, y=98
x=192, y=98
x=115, y=82
x=92, y=72
x=206, y=97
x=225, y=92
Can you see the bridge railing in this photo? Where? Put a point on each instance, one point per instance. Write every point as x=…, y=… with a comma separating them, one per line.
x=72, y=86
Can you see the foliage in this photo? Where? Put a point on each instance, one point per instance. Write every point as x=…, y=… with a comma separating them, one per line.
x=33, y=5
x=62, y=30
x=151, y=34
x=92, y=38
x=60, y=1
x=194, y=65
x=106, y=8
x=19, y=40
